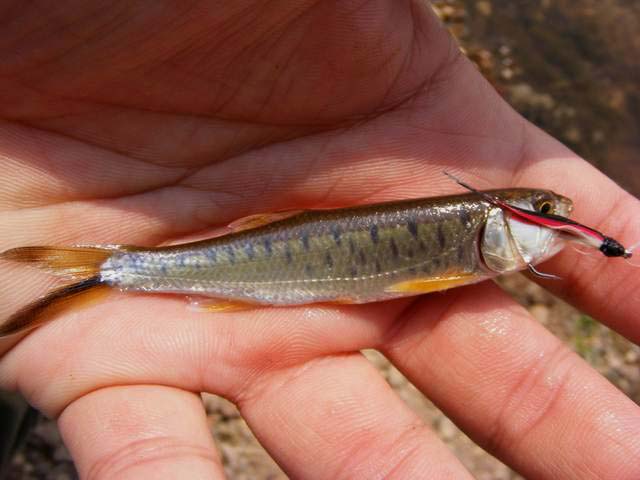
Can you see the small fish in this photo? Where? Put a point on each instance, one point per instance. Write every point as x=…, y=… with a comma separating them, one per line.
x=350, y=255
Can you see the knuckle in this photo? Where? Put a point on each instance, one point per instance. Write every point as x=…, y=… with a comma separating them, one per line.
x=396, y=456
x=146, y=453
x=532, y=400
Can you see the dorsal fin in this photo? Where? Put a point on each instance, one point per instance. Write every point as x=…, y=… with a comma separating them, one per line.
x=260, y=219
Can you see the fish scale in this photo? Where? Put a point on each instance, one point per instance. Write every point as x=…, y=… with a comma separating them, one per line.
x=350, y=255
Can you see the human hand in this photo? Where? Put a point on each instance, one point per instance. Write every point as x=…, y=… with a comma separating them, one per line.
x=127, y=123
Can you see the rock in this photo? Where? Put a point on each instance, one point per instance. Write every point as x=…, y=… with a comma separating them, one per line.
x=540, y=312
x=215, y=405
x=614, y=360
x=61, y=454
x=504, y=50
x=573, y=134
x=631, y=356
x=447, y=429
x=524, y=94
x=484, y=8
x=395, y=378
x=506, y=74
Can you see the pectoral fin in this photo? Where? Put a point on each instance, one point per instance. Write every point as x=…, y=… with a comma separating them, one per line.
x=427, y=285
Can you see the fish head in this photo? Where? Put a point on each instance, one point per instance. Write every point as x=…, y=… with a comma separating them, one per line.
x=508, y=243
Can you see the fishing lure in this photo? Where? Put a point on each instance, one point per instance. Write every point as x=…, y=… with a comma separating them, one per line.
x=610, y=247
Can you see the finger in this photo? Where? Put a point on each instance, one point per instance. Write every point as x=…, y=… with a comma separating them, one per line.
x=141, y=431
x=157, y=340
x=515, y=389
x=606, y=288
x=258, y=358
x=339, y=415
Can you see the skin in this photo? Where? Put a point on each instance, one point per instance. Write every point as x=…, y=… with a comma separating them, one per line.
x=131, y=123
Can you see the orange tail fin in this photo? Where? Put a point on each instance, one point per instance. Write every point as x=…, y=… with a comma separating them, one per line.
x=79, y=263
x=36, y=313
x=76, y=262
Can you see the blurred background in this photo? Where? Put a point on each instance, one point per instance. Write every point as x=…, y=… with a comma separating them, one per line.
x=573, y=68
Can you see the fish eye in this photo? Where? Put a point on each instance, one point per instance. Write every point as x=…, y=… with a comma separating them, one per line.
x=545, y=207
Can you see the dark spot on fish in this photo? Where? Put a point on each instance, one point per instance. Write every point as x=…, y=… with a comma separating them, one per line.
x=465, y=218
x=181, y=261
x=362, y=257
x=412, y=270
x=305, y=240
x=231, y=254
x=378, y=267
x=394, y=248
x=352, y=247
x=267, y=246
x=373, y=232
x=163, y=269
x=461, y=253
x=287, y=252
x=423, y=246
x=335, y=231
x=426, y=268
x=442, y=240
x=412, y=226
x=211, y=254
x=354, y=271
x=410, y=253
x=248, y=248
x=328, y=260
x=308, y=270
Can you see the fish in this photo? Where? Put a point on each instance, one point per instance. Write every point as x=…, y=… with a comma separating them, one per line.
x=350, y=255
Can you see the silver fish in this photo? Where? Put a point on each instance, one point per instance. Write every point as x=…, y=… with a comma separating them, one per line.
x=350, y=255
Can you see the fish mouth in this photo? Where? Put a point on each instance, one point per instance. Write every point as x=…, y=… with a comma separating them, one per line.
x=565, y=205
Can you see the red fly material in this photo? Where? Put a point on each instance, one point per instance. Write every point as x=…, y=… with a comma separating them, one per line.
x=607, y=245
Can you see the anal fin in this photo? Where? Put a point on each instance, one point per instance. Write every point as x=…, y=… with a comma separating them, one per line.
x=343, y=301
x=426, y=285
x=219, y=305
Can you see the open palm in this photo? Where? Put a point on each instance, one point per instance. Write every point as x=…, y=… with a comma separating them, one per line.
x=150, y=122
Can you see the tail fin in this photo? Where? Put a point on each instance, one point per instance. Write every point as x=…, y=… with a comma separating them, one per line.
x=76, y=262
x=79, y=263
x=40, y=311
